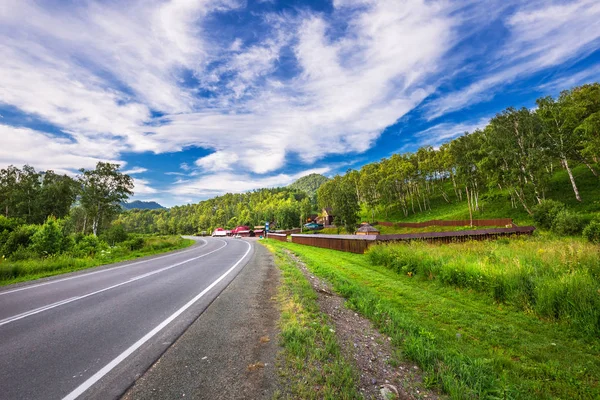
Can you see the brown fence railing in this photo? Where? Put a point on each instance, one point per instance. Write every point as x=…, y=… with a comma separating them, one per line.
x=359, y=244
x=437, y=222
x=347, y=243
x=282, y=237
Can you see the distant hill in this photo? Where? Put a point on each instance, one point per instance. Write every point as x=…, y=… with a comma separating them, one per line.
x=309, y=183
x=142, y=205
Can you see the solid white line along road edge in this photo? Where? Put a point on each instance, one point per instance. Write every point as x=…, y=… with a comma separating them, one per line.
x=101, y=271
x=72, y=299
x=111, y=365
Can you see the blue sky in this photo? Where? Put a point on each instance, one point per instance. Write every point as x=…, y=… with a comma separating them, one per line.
x=195, y=98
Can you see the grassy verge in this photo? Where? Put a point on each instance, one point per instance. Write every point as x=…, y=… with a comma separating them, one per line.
x=466, y=344
x=557, y=279
x=313, y=366
x=26, y=270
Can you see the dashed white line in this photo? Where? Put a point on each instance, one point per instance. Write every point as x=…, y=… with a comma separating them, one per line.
x=72, y=299
x=116, y=361
x=98, y=272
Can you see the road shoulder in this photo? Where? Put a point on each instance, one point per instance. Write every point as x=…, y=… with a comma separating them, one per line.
x=229, y=352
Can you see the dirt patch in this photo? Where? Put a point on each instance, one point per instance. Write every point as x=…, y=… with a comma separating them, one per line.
x=370, y=350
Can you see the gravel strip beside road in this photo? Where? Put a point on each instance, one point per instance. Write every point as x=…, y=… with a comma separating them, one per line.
x=229, y=352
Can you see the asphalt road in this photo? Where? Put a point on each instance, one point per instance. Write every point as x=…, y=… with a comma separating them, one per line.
x=91, y=335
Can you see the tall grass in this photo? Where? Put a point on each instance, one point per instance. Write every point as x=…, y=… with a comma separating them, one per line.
x=555, y=279
x=34, y=268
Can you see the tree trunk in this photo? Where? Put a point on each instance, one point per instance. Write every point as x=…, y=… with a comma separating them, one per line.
x=587, y=164
x=566, y=165
x=469, y=204
x=522, y=200
x=84, y=224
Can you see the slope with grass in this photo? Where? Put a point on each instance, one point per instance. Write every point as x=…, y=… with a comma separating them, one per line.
x=496, y=203
x=467, y=343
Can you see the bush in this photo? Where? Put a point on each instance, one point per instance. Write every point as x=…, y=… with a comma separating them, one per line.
x=592, y=231
x=20, y=237
x=136, y=243
x=48, y=239
x=115, y=234
x=545, y=213
x=88, y=246
x=23, y=253
x=568, y=223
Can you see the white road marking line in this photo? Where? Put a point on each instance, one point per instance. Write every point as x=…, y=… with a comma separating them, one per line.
x=116, y=361
x=99, y=272
x=72, y=299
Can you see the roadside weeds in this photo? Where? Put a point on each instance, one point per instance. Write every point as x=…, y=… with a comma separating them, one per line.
x=377, y=372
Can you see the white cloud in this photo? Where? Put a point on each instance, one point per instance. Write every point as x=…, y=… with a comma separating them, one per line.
x=226, y=182
x=135, y=170
x=22, y=146
x=540, y=36
x=97, y=70
x=444, y=132
x=142, y=187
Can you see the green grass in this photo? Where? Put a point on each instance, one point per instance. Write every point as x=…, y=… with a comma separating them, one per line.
x=313, y=366
x=496, y=203
x=557, y=279
x=466, y=344
x=20, y=271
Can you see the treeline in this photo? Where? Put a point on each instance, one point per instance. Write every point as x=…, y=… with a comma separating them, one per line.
x=90, y=201
x=517, y=153
x=285, y=208
x=45, y=214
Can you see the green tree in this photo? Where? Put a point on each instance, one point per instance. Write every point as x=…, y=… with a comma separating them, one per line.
x=48, y=239
x=340, y=194
x=57, y=195
x=8, y=187
x=102, y=191
x=561, y=117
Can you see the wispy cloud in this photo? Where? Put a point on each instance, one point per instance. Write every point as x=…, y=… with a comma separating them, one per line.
x=155, y=76
x=540, y=36
x=135, y=170
x=224, y=182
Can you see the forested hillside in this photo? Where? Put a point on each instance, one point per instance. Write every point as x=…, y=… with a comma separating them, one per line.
x=309, y=183
x=283, y=206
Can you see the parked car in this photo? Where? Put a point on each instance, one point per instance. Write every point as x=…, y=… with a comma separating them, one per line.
x=313, y=226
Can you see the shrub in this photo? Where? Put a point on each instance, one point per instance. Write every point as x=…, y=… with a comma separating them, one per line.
x=88, y=246
x=115, y=234
x=568, y=223
x=137, y=243
x=9, y=224
x=23, y=253
x=20, y=237
x=545, y=213
x=48, y=239
x=592, y=231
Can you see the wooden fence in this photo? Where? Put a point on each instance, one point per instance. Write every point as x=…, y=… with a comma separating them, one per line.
x=282, y=237
x=359, y=244
x=437, y=222
x=347, y=243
